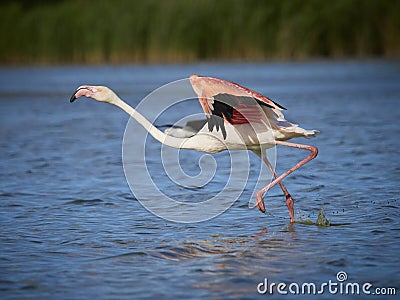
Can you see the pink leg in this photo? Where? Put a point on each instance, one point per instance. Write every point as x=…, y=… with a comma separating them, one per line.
x=289, y=200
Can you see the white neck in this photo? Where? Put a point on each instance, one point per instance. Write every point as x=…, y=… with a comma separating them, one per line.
x=154, y=131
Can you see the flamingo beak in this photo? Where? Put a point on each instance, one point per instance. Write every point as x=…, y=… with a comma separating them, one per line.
x=73, y=97
x=81, y=91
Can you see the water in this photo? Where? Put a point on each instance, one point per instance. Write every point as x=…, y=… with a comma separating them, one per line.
x=71, y=229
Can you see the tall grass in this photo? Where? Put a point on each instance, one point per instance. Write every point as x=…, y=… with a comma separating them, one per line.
x=182, y=30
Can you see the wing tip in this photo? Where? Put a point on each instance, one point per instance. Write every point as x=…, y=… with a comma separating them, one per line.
x=193, y=78
x=280, y=106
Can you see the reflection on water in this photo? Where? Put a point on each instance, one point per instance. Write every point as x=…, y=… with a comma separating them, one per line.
x=70, y=228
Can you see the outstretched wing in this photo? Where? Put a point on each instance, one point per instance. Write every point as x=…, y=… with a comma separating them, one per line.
x=223, y=101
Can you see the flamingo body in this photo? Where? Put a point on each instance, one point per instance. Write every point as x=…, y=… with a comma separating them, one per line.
x=241, y=118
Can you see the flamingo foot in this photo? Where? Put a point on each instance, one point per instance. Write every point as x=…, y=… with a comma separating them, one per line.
x=260, y=202
x=290, y=206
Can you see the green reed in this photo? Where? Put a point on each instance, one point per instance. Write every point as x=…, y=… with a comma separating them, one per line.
x=102, y=31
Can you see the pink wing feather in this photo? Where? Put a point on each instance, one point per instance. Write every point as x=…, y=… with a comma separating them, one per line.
x=208, y=87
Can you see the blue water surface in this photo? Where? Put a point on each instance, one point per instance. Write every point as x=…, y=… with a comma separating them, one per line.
x=70, y=227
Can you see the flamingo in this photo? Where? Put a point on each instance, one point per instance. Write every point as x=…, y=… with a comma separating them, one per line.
x=233, y=114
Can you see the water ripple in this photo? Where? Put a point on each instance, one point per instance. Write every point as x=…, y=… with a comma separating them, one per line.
x=71, y=229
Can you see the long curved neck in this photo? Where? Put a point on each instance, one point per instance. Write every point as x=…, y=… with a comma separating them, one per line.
x=154, y=131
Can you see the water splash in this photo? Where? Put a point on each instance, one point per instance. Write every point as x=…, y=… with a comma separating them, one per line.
x=322, y=220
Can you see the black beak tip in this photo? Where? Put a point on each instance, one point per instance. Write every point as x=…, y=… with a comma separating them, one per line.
x=73, y=98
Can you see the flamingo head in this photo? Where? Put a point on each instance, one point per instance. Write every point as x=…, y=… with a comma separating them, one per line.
x=99, y=93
